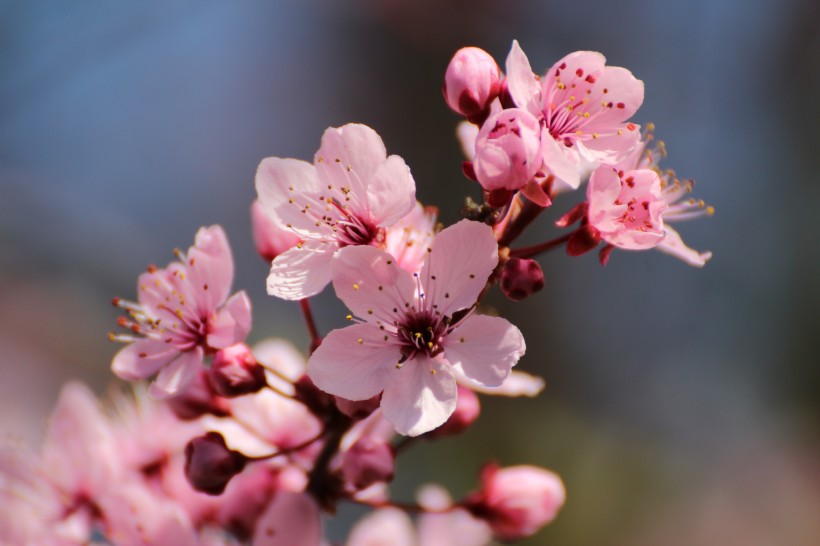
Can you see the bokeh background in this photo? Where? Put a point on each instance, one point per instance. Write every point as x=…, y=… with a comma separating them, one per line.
x=682, y=406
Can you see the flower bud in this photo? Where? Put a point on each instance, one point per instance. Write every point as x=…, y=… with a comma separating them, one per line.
x=270, y=238
x=199, y=399
x=472, y=81
x=235, y=372
x=368, y=461
x=517, y=501
x=468, y=408
x=508, y=150
x=315, y=400
x=210, y=465
x=521, y=278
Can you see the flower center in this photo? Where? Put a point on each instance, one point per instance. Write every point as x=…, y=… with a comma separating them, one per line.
x=354, y=231
x=421, y=333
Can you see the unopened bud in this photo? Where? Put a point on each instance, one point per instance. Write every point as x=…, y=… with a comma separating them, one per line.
x=199, y=399
x=368, y=461
x=317, y=401
x=210, y=465
x=235, y=372
x=468, y=408
x=271, y=239
x=583, y=240
x=472, y=82
x=508, y=150
x=521, y=278
x=517, y=501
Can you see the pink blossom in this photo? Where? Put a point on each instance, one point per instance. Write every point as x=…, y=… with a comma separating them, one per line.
x=183, y=313
x=518, y=500
x=583, y=106
x=626, y=207
x=673, y=191
x=351, y=193
x=406, y=343
x=508, y=150
x=471, y=82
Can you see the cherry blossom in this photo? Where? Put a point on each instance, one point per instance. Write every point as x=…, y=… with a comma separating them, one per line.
x=416, y=333
x=183, y=313
x=583, y=106
x=351, y=193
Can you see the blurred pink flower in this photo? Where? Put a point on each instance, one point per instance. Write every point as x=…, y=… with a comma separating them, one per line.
x=183, y=313
x=351, y=193
x=407, y=342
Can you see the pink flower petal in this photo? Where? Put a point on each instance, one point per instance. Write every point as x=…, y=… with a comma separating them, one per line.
x=371, y=283
x=484, y=349
x=673, y=245
x=460, y=261
x=348, y=157
x=626, y=92
x=174, y=378
x=277, y=181
x=391, y=192
x=385, y=527
x=142, y=359
x=232, y=323
x=353, y=362
x=522, y=82
x=466, y=133
x=291, y=519
x=302, y=271
x=210, y=268
x=419, y=396
x=611, y=148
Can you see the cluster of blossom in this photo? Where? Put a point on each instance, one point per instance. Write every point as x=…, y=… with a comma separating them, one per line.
x=236, y=445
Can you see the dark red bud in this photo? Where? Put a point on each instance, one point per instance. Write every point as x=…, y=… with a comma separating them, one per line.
x=368, y=461
x=358, y=409
x=317, y=401
x=499, y=198
x=521, y=278
x=468, y=170
x=210, y=465
x=583, y=240
x=505, y=97
x=235, y=372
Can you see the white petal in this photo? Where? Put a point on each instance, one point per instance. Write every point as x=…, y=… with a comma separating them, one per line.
x=280, y=180
x=484, y=349
x=391, y=192
x=301, y=272
x=419, y=396
x=385, y=527
x=521, y=82
x=673, y=245
x=517, y=384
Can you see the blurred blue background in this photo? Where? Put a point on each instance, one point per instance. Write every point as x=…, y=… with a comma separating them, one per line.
x=682, y=406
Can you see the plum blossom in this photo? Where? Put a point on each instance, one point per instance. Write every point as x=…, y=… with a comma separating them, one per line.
x=416, y=333
x=508, y=150
x=626, y=207
x=673, y=192
x=408, y=239
x=583, y=106
x=183, y=313
x=351, y=193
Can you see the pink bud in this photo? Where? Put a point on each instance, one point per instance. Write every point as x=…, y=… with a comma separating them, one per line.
x=471, y=82
x=368, y=461
x=199, y=399
x=508, y=150
x=521, y=278
x=468, y=408
x=210, y=465
x=235, y=372
x=271, y=239
x=517, y=501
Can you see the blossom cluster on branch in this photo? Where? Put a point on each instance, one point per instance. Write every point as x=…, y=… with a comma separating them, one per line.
x=232, y=444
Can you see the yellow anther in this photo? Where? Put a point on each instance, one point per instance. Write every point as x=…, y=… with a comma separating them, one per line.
x=360, y=341
x=355, y=286
x=594, y=135
x=349, y=317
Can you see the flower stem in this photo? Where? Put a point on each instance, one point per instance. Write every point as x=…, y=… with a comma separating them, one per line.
x=315, y=338
x=534, y=250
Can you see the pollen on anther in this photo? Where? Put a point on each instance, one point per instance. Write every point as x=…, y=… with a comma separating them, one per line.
x=370, y=311
x=355, y=286
x=360, y=341
x=349, y=317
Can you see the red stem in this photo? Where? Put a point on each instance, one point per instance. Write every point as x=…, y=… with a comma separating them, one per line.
x=534, y=250
x=315, y=338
